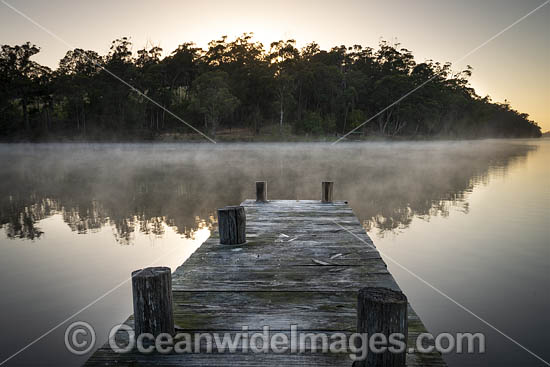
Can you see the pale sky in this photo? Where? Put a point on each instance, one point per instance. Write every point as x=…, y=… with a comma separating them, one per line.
x=515, y=66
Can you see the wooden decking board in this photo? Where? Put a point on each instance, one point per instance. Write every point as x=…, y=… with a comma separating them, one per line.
x=298, y=267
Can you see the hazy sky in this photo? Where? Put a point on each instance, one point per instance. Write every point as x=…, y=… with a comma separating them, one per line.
x=515, y=66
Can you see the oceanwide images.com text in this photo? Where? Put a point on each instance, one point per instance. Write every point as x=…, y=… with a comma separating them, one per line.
x=122, y=339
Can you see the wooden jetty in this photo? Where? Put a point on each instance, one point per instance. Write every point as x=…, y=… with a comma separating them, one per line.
x=303, y=264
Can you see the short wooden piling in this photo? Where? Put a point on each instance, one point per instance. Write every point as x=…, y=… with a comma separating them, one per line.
x=261, y=191
x=232, y=225
x=327, y=191
x=152, y=292
x=382, y=310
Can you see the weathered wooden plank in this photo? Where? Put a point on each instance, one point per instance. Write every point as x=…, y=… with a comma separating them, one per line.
x=291, y=250
x=105, y=357
x=283, y=278
x=279, y=310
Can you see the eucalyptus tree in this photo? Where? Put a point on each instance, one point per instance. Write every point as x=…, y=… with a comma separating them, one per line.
x=20, y=75
x=75, y=84
x=282, y=57
x=213, y=99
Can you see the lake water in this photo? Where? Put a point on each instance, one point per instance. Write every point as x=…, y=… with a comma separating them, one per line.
x=470, y=218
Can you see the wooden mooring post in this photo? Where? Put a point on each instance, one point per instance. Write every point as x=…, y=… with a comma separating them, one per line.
x=152, y=293
x=382, y=310
x=261, y=191
x=232, y=225
x=327, y=191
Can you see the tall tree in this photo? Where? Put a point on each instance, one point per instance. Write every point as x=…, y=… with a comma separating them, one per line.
x=283, y=56
x=213, y=98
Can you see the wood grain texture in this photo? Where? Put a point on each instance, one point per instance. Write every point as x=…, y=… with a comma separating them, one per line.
x=326, y=188
x=261, y=191
x=298, y=267
x=152, y=298
x=232, y=225
x=382, y=310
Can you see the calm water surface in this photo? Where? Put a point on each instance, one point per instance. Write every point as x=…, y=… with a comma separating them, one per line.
x=470, y=218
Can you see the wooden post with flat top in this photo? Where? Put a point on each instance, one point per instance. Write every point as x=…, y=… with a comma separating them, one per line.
x=261, y=191
x=232, y=225
x=382, y=310
x=152, y=293
x=327, y=191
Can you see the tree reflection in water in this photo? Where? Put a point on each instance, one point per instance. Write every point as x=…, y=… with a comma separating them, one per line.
x=141, y=187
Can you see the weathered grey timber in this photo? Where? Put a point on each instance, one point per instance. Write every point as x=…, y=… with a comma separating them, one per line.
x=298, y=267
x=326, y=188
x=382, y=310
x=261, y=191
x=232, y=225
x=152, y=294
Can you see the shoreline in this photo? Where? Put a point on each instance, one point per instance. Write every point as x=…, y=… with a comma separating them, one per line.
x=197, y=139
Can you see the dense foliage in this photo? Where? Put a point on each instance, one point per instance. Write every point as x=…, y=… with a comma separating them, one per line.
x=240, y=84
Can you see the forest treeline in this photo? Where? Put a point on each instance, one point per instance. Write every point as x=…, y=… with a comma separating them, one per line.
x=240, y=84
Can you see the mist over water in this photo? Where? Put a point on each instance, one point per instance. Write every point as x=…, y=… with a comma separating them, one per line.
x=123, y=185
x=77, y=218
